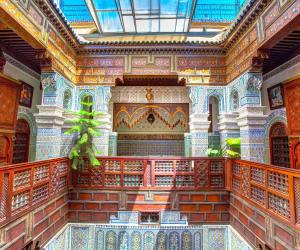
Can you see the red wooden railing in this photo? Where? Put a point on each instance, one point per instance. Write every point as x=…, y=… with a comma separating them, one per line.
x=276, y=190
x=25, y=186
x=153, y=173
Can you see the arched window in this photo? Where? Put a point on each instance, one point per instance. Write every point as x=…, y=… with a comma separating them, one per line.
x=86, y=99
x=279, y=146
x=67, y=101
x=235, y=101
x=213, y=113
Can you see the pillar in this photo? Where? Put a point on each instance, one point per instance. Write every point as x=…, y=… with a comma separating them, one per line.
x=251, y=121
x=199, y=125
x=228, y=127
x=196, y=142
x=49, y=119
x=103, y=95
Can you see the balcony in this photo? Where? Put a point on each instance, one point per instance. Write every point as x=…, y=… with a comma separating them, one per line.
x=39, y=199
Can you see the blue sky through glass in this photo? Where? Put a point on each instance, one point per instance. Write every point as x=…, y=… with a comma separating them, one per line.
x=140, y=16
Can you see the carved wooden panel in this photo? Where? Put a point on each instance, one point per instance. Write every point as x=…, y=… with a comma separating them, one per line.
x=279, y=145
x=292, y=97
x=21, y=144
x=9, y=102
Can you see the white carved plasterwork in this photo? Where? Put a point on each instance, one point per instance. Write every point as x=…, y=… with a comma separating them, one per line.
x=161, y=94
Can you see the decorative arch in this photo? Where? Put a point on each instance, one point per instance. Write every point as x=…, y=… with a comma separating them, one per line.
x=279, y=145
x=275, y=116
x=219, y=97
x=67, y=99
x=83, y=94
x=28, y=116
x=234, y=100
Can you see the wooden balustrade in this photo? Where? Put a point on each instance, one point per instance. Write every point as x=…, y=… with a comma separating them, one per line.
x=25, y=186
x=274, y=189
x=153, y=173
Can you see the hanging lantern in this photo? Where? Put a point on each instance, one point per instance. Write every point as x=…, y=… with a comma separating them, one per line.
x=151, y=118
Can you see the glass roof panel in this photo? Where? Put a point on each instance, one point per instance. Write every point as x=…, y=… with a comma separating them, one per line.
x=110, y=21
x=153, y=16
x=126, y=6
x=105, y=5
x=168, y=7
x=217, y=10
x=129, y=24
x=75, y=11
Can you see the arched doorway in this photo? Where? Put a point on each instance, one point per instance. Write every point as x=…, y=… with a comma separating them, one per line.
x=279, y=146
x=213, y=130
x=21, y=143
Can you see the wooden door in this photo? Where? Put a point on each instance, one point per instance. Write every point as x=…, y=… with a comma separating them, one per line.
x=22, y=141
x=279, y=145
x=9, y=102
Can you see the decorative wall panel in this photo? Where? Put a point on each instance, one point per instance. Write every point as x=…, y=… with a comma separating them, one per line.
x=105, y=236
x=151, y=118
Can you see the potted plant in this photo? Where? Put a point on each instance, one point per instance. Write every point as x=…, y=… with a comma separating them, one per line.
x=86, y=127
x=232, y=149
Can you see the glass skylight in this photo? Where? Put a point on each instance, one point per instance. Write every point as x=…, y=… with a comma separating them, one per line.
x=141, y=16
x=150, y=16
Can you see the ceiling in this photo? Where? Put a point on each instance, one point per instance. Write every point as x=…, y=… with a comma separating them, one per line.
x=16, y=47
x=282, y=51
x=111, y=18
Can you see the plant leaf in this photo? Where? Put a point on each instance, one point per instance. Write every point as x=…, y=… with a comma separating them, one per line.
x=83, y=139
x=232, y=154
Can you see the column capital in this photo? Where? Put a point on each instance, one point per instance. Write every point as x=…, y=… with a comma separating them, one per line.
x=228, y=121
x=199, y=122
x=251, y=116
x=49, y=116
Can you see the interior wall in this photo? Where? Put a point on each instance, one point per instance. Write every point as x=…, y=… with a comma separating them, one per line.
x=18, y=71
x=283, y=73
x=143, y=138
x=14, y=71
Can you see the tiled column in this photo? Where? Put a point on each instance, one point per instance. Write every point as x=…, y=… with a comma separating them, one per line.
x=103, y=95
x=199, y=125
x=67, y=141
x=187, y=145
x=251, y=121
x=50, y=119
x=102, y=141
x=112, y=147
x=228, y=127
x=49, y=122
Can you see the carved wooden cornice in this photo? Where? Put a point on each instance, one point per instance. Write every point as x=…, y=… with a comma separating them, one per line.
x=246, y=19
x=57, y=18
x=258, y=60
x=44, y=57
x=155, y=48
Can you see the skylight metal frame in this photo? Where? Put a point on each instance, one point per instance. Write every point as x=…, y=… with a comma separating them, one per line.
x=153, y=16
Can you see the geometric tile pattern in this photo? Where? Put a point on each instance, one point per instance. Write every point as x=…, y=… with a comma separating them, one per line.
x=106, y=236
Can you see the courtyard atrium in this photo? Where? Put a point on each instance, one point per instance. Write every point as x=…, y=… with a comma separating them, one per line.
x=150, y=124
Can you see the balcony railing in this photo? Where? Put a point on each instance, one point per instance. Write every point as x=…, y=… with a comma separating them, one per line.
x=25, y=186
x=275, y=190
x=154, y=173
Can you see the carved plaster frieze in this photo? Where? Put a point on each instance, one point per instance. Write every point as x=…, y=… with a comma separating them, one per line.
x=136, y=94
